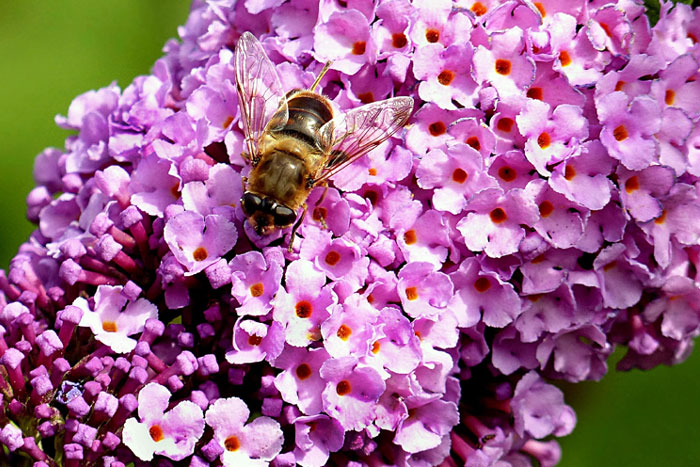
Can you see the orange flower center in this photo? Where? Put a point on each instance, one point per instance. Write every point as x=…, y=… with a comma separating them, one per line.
x=332, y=258
x=200, y=254
x=358, y=48
x=479, y=9
x=503, y=67
x=498, y=215
x=232, y=443
x=632, y=184
x=410, y=237
x=257, y=289
x=411, y=293
x=546, y=208
x=459, y=175
x=366, y=97
x=303, y=371
x=343, y=388
x=156, y=433
x=344, y=332
x=620, y=133
x=432, y=35
x=303, y=309
x=541, y=9
x=569, y=173
x=507, y=173
x=505, y=124
x=564, y=58
x=445, y=77
x=482, y=284
x=437, y=128
x=398, y=40
x=254, y=340
x=535, y=93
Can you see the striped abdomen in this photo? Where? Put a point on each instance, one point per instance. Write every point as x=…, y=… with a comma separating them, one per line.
x=307, y=113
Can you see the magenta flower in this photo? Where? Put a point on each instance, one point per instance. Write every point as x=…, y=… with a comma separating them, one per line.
x=351, y=392
x=197, y=241
x=243, y=443
x=114, y=317
x=172, y=433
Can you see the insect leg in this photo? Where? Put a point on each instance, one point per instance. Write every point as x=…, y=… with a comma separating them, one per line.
x=296, y=226
x=318, y=213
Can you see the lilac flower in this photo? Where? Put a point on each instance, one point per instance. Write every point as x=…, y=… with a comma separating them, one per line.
x=540, y=409
x=254, y=281
x=300, y=382
x=253, y=443
x=115, y=317
x=351, y=392
x=345, y=40
x=443, y=75
x=196, y=241
x=499, y=217
x=539, y=210
x=305, y=303
x=316, y=436
x=172, y=434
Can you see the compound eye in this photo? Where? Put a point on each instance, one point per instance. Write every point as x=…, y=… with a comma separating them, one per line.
x=250, y=203
x=283, y=215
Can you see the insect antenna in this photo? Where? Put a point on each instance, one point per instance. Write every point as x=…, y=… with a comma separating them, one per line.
x=320, y=75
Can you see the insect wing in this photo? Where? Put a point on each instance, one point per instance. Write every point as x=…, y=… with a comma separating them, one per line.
x=360, y=130
x=260, y=92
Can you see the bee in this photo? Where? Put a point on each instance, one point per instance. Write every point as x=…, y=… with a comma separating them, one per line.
x=294, y=141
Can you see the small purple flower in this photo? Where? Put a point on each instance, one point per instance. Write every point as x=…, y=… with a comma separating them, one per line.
x=494, y=225
x=255, y=280
x=423, y=291
x=219, y=192
x=444, y=75
x=539, y=408
x=484, y=292
x=171, y=433
x=628, y=128
x=155, y=185
x=303, y=304
x=551, y=134
x=316, y=436
x=254, y=342
x=198, y=242
x=114, y=317
x=503, y=65
x=428, y=423
x=300, y=382
x=345, y=40
x=351, y=392
x=350, y=328
x=454, y=175
x=254, y=443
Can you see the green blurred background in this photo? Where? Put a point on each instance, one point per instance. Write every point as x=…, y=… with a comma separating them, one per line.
x=51, y=51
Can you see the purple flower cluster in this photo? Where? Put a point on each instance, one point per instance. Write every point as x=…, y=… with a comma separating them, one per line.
x=540, y=208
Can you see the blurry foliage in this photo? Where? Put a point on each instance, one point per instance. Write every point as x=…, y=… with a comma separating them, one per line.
x=653, y=8
x=50, y=53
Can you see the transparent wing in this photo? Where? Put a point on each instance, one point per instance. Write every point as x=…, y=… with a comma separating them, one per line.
x=260, y=93
x=360, y=130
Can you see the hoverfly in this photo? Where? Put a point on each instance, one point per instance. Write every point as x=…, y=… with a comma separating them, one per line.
x=294, y=141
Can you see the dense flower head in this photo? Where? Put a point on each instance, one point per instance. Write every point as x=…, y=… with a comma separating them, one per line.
x=539, y=209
